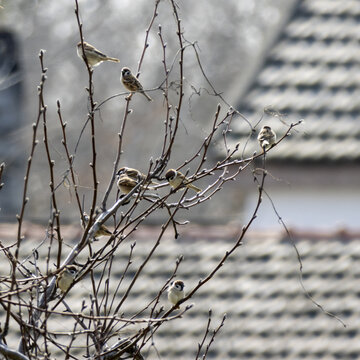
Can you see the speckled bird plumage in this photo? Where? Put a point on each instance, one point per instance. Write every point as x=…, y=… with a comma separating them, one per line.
x=125, y=184
x=176, y=179
x=66, y=277
x=266, y=137
x=131, y=83
x=102, y=231
x=133, y=174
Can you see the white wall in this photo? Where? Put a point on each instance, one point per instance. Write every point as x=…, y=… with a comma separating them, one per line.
x=309, y=208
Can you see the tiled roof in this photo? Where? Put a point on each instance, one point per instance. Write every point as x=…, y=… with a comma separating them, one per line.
x=268, y=314
x=312, y=72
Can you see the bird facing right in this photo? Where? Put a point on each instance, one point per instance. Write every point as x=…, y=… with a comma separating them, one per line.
x=266, y=137
x=125, y=183
x=66, y=277
x=102, y=231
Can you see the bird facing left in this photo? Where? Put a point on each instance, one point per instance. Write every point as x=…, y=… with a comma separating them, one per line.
x=131, y=83
x=177, y=180
x=94, y=56
x=133, y=174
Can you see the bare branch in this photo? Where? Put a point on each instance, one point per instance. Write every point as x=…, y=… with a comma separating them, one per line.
x=11, y=354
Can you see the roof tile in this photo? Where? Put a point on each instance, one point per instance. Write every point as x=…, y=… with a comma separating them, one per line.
x=269, y=316
x=312, y=72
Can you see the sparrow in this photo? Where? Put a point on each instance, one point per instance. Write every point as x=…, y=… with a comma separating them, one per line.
x=93, y=55
x=125, y=184
x=103, y=230
x=66, y=277
x=177, y=179
x=125, y=349
x=133, y=174
x=131, y=83
x=176, y=292
x=266, y=137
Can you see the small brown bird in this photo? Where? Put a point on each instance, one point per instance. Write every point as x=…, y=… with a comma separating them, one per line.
x=66, y=277
x=133, y=174
x=131, y=83
x=266, y=138
x=125, y=184
x=176, y=292
x=176, y=179
x=125, y=349
x=103, y=230
x=93, y=55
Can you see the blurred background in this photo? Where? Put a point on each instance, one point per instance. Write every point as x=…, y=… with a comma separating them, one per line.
x=232, y=40
x=277, y=62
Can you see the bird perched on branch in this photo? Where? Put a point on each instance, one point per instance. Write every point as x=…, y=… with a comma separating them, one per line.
x=94, y=56
x=124, y=349
x=176, y=179
x=102, y=231
x=66, y=277
x=125, y=184
x=266, y=137
x=176, y=292
x=126, y=180
x=131, y=83
x=133, y=174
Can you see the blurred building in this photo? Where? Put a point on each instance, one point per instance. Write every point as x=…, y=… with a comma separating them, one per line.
x=311, y=72
x=11, y=119
x=269, y=315
x=225, y=54
x=294, y=59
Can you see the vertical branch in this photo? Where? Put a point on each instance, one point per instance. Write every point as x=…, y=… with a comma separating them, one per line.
x=142, y=266
x=25, y=200
x=100, y=325
x=70, y=158
x=227, y=254
x=212, y=339
x=146, y=44
x=166, y=90
x=118, y=156
x=209, y=138
x=96, y=311
x=106, y=273
x=128, y=111
x=51, y=163
x=2, y=167
x=207, y=330
x=166, y=156
x=91, y=114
